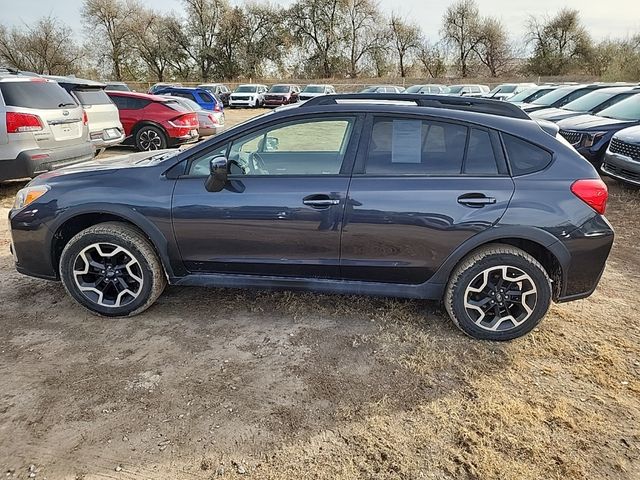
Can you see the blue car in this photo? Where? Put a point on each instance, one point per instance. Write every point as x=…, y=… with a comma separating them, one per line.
x=202, y=97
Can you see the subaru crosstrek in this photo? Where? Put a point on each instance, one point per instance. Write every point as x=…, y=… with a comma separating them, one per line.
x=420, y=196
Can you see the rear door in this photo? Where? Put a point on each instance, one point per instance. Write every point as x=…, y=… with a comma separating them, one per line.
x=282, y=209
x=420, y=189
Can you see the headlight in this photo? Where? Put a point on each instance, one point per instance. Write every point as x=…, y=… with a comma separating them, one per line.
x=29, y=195
x=593, y=137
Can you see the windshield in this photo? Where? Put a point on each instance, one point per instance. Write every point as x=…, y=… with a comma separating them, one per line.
x=189, y=103
x=280, y=89
x=529, y=92
x=628, y=109
x=503, y=89
x=455, y=89
x=246, y=89
x=313, y=89
x=117, y=87
x=554, y=96
x=92, y=96
x=413, y=89
x=588, y=102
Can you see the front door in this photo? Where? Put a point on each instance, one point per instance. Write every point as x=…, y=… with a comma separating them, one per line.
x=281, y=211
x=421, y=189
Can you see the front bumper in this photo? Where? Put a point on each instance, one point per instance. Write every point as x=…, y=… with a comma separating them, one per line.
x=30, y=163
x=622, y=168
x=242, y=102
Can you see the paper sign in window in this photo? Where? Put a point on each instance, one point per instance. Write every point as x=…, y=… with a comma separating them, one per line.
x=407, y=141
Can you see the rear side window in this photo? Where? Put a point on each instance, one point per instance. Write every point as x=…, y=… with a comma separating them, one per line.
x=206, y=97
x=40, y=95
x=525, y=157
x=129, y=103
x=92, y=97
x=177, y=106
x=418, y=147
x=480, y=159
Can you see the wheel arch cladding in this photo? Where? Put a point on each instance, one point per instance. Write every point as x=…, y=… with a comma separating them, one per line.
x=80, y=221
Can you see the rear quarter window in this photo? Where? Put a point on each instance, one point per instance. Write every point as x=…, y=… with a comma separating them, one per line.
x=39, y=95
x=92, y=96
x=525, y=157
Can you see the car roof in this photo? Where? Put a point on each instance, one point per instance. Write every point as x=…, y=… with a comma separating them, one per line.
x=75, y=81
x=142, y=96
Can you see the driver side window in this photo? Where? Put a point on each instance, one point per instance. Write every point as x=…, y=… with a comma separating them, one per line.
x=305, y=147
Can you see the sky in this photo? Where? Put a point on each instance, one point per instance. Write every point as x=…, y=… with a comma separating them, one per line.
x=612, y=18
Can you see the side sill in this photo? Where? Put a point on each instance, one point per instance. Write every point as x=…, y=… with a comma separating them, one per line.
x=427, y=291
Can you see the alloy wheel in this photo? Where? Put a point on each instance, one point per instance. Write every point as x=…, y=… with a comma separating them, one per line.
x=500, y=298
x=108, y=275
x=150, y=140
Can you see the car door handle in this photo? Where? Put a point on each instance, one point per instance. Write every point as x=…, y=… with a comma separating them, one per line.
x=320, y=201
x=475, y=200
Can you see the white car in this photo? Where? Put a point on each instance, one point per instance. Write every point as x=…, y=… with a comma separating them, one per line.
x=312, y=91
x=248, y=95
x=105, y=128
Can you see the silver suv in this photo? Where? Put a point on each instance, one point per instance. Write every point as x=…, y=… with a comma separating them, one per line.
x=105, y=129
x=41, y=127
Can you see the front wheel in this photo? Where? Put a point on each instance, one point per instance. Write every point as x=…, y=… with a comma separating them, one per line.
x=498, y=292
x=112, y=270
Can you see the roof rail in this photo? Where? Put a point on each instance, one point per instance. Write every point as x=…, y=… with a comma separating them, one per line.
x=471, y=104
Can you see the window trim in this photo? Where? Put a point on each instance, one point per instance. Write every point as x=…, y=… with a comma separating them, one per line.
x=363, y=151
x=347, y=162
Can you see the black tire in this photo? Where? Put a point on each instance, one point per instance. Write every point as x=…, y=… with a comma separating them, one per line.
x=81, y=248
x=150, y=138
x=257, y=104
x=475, y=317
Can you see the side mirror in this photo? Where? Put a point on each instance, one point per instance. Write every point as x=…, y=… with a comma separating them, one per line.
x=218, y=171
x=271, y=144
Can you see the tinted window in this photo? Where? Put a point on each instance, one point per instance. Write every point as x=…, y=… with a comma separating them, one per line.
x=525, y=157
x=553, y=96
x=406, y=146
x=183, y=95
x=206, y=97
x=313, y=147
x=480, y=159
x=246, y=89
x=36, y=94
x=129, y=103
x=92, y=96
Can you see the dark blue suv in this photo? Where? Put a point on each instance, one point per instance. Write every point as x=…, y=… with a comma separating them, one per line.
x=466, y=200
x=204, y=98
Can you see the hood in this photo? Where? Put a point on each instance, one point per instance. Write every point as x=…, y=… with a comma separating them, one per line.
x=532, y=107
x=132, y=160
x=629, y=135
x=594, y=122
x=554, y=114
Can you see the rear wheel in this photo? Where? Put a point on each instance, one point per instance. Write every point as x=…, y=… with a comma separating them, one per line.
x=498, y=292
x=112, y=270
x=150, y=138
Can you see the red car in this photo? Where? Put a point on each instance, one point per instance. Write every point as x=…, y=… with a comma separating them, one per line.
x=152, y=123
x=282, y=94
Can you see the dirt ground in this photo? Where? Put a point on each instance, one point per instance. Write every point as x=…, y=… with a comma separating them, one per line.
x=232, y=383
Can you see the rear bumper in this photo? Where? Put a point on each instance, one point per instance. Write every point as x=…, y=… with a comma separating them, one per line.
x=100, y=139
x=622, y=168
x=589, y=248
x=30, y=163
x=208, y=131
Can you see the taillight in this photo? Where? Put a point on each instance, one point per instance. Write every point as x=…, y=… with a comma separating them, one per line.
x=187, y=120
x=85, y=119
x=217, y=108
x=23, y=122
x=593, y=192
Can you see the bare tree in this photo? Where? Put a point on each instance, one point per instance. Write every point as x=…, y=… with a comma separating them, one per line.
x=44, y=47
x=203, y=22
x=228, y=40
x=405, y=39
x=363, y=34
x=558, y=42
x=460, y=29
x=152, y=41
x=493, y=47
x=263, y=39
x=433, y=59
x=110, y=20
x=318, y=26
